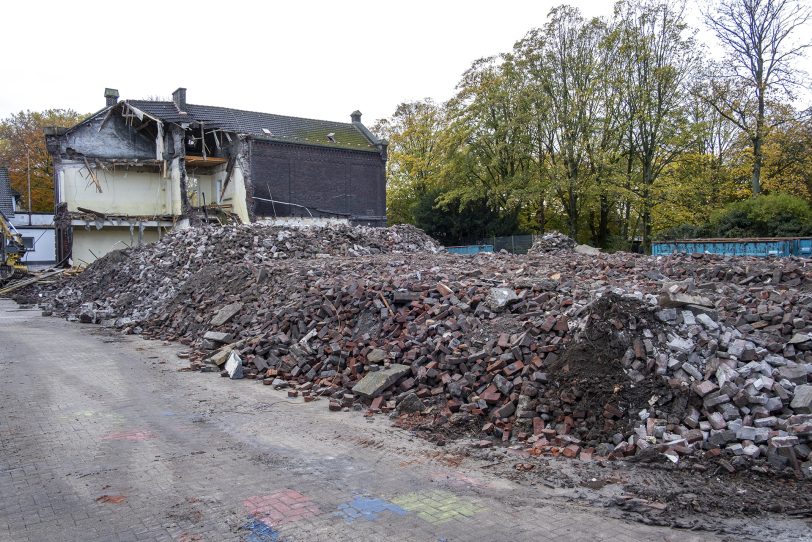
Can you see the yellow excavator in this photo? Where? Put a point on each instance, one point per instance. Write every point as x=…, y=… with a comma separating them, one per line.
x=12, y=251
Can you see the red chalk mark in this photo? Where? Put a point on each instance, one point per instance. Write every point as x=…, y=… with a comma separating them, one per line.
x=285, y=506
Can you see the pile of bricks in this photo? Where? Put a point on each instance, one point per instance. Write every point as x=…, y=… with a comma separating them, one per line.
x=582, y=356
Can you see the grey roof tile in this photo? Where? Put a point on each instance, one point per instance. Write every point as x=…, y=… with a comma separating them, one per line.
x=282, y=128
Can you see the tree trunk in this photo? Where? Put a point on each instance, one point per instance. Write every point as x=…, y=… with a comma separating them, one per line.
x=540, y=216
x=758, y=159
x=573, y=214
x=647, y=230
x=603, y=224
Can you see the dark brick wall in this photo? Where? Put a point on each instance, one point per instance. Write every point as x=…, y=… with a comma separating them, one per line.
x=330, y=182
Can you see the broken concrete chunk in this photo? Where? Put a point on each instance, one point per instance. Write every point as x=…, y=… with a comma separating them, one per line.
x=795, y=373
x=678, y=344
x=679, y=299
x=234, y=366
x=499, y=298
x=588, y=250
x=667, y=315
x=376, y=382
x=802, y=401
x=799, y=338
x=218, y=336
x=226, y=313
x=376, y=355
x=741, y=348
x=707, y=322
x=410, y=403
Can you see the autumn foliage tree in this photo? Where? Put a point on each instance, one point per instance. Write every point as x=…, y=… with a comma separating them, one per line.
x=611, y=129
x=22, y=149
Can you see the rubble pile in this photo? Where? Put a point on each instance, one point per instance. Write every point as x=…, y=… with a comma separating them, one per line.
x=550, y=242
x=576, y=355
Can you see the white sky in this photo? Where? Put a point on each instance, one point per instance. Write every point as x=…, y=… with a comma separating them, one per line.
x=318, y=59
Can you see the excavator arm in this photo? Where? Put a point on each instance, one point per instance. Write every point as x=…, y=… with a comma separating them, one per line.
x=12, y=251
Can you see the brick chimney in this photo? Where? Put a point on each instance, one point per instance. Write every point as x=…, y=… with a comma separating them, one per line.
x=110, y=97
x=179, y=97
x=356, y=116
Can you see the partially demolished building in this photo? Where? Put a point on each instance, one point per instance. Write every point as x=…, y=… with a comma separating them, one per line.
x=138, y=168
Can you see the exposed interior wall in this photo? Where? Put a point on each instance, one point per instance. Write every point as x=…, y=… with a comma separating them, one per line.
x=235, y=194
x=44, y=241
x=209, y=182
x=93, y=243
x=115, y=140
x=124, y=191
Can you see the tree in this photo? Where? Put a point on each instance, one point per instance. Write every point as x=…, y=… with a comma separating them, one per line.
x=491, y=155
x=658, y=62
x=759, y=38
x=788, y=154
x=563, y=65
x=417, y=147
x=21, y=139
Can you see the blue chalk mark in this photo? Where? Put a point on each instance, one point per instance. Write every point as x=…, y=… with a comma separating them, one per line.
x=367, y=508
x=168, y=413
x=260, y=531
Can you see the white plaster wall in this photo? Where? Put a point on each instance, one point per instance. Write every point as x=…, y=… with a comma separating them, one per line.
x=173, y=200
x=93, y=243
x=37, y=219
x=44, y=245
x=125, y=192
x=235, y=195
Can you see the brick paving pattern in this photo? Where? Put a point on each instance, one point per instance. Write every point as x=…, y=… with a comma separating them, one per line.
x=104, y=438
x=281, y=507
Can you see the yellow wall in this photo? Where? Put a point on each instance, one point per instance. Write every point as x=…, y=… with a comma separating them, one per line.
x=124, y=192
x=105, y=240
x=235, y=194
x=207, y=183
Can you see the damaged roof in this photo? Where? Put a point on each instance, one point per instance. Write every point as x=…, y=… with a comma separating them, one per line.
x=6, y=193
x=282, y=128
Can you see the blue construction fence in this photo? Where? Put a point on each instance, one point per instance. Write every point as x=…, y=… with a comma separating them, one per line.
x=761, y=247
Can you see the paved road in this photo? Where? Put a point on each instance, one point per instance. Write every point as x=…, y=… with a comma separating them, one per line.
x=102, y=437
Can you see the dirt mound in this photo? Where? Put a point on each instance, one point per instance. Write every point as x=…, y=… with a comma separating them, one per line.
x=601, y=400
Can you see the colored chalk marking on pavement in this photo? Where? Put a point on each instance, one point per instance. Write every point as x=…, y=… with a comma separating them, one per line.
x=367, y=508
x=259, y=531
x=281, y=507
x=135, y=436
x=437, y=506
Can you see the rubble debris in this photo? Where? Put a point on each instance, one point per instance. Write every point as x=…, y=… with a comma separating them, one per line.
x=607, y=356
x=551, y=242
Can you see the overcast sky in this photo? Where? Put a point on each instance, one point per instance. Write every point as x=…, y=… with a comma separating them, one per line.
x=318, y=59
